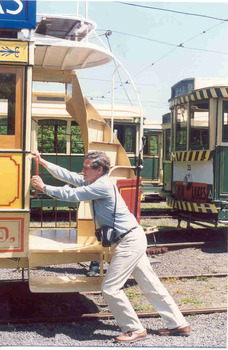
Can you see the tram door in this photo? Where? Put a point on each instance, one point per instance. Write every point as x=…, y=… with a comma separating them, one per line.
x=15, y=82
x=152, y=157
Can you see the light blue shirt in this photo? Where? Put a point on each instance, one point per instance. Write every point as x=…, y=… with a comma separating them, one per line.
x=101, y=191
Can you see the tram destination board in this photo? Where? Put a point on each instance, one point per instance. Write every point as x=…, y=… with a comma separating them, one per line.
x=18, y=14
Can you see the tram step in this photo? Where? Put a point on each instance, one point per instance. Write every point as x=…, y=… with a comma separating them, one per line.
x=65, y=284
x=99, y=121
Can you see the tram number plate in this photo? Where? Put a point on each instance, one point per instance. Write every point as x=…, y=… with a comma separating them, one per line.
x=197, y=192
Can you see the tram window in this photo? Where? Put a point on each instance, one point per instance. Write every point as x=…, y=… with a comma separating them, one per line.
x=225, y=122
x=199, y=125
x=76, y=139
x=126, y=134
x=7, y=103
x=151, y=145
x=52, y=136
x=181, y=128
x=129, y=139
x=167, y=150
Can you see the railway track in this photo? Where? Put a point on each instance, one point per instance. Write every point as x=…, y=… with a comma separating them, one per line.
x=19, y=305
x=75, y=318
x=158, y=248
x=156, y=314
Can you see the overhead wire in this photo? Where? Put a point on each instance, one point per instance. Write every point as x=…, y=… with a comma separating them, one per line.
x=108, y=80
x=173, y=11
x=175, y=46
x=181, y=45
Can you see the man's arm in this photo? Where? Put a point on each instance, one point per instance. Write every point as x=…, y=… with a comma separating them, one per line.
x=60, y=173
x=67, y=193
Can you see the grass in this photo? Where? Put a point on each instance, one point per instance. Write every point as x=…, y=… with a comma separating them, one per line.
x=201, y=278
x=191, y=301
x=137, y=299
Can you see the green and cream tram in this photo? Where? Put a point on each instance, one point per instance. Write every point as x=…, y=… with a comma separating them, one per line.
x=198, y=161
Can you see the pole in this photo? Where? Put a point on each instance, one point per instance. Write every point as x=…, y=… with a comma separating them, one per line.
x=138, y=170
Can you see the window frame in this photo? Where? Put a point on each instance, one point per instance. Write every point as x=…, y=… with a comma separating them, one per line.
x=14, y=141
x=193, y=147
x=147, y=145
x=121, y=129
x=178, y=147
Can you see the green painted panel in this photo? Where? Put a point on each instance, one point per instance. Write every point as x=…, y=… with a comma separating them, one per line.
x=224, y=172
x=73, y=164
x=167, y=172
x=150, y=168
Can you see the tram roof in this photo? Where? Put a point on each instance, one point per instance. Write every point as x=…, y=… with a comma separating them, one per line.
x=46, y=104
x=62, y=46
x=189, y=85
x=68, y=27
x=65, y=55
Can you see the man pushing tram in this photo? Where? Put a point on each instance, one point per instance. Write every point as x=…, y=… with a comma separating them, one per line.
x=129, y=239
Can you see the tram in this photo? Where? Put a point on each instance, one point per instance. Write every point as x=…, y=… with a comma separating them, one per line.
x=196, y=150
x=51, y=51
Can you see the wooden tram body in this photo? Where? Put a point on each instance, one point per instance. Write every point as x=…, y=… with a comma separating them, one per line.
x=196, y=150
x=51, y=59
x=52, y=122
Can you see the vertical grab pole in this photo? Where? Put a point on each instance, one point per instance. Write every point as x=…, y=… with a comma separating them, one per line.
x=139, y=168
x=37, y=173
x=141, y=138
x=112, y=111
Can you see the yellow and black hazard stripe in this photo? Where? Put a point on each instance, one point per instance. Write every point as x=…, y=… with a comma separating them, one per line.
x=190, y=156
x=202, y=94
x=191, y=206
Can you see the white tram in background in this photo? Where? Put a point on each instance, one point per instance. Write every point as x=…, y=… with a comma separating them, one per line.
x=196, y=150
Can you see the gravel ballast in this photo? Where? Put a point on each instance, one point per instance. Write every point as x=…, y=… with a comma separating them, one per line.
x=208, y=330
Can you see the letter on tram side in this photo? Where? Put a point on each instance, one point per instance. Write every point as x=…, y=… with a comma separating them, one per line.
x=15, y=12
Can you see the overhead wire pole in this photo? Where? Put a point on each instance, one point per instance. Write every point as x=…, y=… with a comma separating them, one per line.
x=134, y=88
x=77, y=8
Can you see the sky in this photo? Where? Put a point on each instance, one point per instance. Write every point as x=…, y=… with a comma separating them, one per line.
x=146, y=38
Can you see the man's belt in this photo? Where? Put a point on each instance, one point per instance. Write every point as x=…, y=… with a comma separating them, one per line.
x=123, y=234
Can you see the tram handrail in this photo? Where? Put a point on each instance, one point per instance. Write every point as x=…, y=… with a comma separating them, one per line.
x=37, y=173
x=121, y=167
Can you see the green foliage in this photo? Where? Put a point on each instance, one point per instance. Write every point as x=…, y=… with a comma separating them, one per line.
x=76, y=140
x=7, y=95
x=3, y=130
x=153, y=145
x=53, y=137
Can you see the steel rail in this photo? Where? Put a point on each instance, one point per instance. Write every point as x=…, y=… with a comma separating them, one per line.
x=179, y=277
x=180, y=245
x=151, y=217
x=145, y=314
